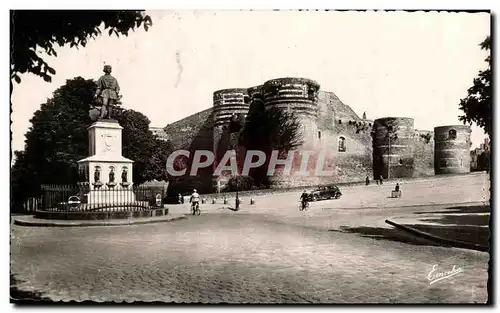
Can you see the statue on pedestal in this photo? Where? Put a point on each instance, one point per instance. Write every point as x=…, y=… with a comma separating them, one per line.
x=111, y=183
x=124, y=175
x=125, y=182
x=111, y=174
x=97, y=177
x=97, y=174
x=107, y=93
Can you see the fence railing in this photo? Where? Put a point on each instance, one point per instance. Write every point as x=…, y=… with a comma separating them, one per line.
x=31, y=205
x=100, y=198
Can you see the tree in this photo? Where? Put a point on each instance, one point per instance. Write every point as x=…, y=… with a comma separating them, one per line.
x=139, y=144
x=268, y=130
x=477, y=106
x=58, y=138
x=34, y=31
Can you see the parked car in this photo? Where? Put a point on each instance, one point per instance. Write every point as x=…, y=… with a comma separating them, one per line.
x=325, y=193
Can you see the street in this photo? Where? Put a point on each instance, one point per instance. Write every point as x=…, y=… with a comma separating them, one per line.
x=266, y=253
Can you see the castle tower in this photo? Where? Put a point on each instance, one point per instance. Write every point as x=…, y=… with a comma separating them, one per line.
x=227, y=104
x=452, y=149
x=299, y=96
x=392, y=147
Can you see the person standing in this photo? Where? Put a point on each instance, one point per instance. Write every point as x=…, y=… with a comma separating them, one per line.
x=303, y=199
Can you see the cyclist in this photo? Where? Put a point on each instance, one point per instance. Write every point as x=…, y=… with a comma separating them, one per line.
x=304, y=198
x=195, y=200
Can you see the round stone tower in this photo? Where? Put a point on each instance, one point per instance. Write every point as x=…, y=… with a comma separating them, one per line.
x=227, y=103
x=392, y=147
x=299, y=96
x=452, y=149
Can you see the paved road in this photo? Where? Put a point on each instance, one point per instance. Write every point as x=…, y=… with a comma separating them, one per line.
x=237, y=258
x=248, y=256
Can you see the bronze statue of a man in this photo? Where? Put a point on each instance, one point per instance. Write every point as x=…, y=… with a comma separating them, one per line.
x=107, y=91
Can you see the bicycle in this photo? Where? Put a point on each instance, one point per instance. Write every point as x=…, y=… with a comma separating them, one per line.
x=303, y=205
x=195, y=208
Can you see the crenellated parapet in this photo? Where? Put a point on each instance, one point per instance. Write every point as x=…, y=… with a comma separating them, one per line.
x=228, y=102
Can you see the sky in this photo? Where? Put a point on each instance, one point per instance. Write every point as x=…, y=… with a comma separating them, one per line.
x=383, y=63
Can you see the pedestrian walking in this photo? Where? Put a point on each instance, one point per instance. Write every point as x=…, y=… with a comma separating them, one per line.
x=367, y=180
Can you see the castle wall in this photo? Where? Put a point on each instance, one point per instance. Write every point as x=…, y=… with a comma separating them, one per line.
x=397, y=155
x=183, y=133
x=423, y=153
x=452, y=152
x=192, y=133
x=341, y=127
x=353, y=148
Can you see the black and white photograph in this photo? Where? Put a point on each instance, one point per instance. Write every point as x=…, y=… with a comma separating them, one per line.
x=250, y=156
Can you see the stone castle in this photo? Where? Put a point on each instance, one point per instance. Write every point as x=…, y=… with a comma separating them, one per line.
x=355, y=147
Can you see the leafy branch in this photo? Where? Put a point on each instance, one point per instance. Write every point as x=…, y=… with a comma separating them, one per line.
x=35, y=32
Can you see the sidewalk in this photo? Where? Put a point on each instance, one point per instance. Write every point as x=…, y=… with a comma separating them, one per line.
x=38, y=222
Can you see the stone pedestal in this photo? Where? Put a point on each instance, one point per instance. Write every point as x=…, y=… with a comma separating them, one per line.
x=107, y=173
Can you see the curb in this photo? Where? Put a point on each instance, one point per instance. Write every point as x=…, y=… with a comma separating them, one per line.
x=449, y=242
x=87, y=224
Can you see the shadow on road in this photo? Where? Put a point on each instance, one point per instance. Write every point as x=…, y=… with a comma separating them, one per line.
x=475, y=220
x=24, y=297
x=461, y=209
x=386, y=234
x=469, y=234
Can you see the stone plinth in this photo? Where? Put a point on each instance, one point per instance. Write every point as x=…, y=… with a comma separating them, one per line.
x=107, y=172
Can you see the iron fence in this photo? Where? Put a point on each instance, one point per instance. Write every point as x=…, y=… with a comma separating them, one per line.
x=30, y=205
x=100, y=198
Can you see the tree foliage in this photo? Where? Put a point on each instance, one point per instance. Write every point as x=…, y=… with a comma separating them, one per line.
x=273, y=129
x=58, y=138
x=34, y=32
x=139, y=144
x=268, y=130
x=477, y=105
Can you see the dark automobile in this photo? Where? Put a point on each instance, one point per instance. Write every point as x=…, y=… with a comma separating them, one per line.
x=326, y=192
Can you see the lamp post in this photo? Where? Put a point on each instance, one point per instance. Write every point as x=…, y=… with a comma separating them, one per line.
x=237, y=200
x=389, y=156
x=237, y=197
x=235, y=128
